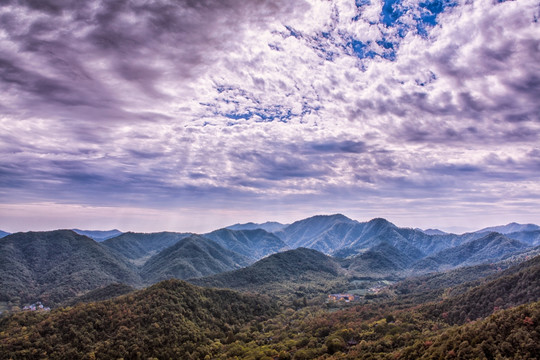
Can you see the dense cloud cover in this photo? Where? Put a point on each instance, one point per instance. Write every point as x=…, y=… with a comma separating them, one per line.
x=396, y=108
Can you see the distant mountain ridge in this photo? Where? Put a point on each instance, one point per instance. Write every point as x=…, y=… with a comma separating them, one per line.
x=270, y=226
x=99, y=235
x=254, y=244
x=510, y=228
x=3, y=233
x=375, y=248
x=529, y=237
x=490, y=248
x=343, y=237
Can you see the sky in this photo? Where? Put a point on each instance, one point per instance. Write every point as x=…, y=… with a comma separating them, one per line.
x=192, y=115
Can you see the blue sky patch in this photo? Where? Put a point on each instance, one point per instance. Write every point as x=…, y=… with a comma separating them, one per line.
x=362, y=50
x=237, y=116
x=360, y=3
x=430, y=10
x=391, y=12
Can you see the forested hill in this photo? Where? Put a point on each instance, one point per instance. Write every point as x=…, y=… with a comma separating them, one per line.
x=510, y=334
x=302, y=271
x=517, y=285
x=53, y=266
x=169, y=320
x=193, y=256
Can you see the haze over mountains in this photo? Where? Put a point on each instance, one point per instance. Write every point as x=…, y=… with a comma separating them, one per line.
x=511, y=228
x=99, y=235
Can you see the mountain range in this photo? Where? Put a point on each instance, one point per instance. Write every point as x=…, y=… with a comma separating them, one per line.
x=60, y=265
x=496, y=318
x=433, y=231
x=326, y=287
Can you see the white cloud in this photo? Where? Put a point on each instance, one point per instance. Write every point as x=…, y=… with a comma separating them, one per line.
x=229, y=104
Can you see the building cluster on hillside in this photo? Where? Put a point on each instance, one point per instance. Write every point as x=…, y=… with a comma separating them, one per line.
x=36, y=307
x=341, y=297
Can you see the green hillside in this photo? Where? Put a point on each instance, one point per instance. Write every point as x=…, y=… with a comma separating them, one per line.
x=509, y=334
x=54, y=266
x=194, y=256
x=300, y=272
x=172, y=319
x=517, y=285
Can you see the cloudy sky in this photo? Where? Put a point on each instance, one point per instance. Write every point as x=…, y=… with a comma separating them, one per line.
x=189, y=115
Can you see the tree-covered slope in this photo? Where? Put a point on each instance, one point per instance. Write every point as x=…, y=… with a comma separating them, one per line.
x=508, y=334
x=191, y=257
x=382, y=259
x=254, y=244
x=529, y=237
x=517, y=285
x=170, y=320
x=54, y=266
x=139, y=247
x=490, y=248
x=388, y=329
x=305, y=271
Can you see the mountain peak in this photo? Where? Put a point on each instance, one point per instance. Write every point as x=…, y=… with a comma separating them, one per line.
x=380, y=222
x=337, y=217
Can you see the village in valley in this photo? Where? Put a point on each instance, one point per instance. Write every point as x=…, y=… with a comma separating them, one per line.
x=361, y=289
